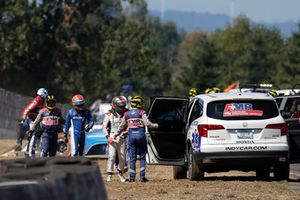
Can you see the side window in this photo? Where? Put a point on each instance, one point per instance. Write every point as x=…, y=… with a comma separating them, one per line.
x=197, y=111
x=292, y=104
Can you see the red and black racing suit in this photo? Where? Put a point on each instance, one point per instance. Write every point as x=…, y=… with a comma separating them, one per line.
x=29, y=114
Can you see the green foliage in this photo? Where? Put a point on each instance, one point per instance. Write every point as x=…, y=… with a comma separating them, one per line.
x=95, y=47
x=248, y=53
x=197, y=64
x=290, y=69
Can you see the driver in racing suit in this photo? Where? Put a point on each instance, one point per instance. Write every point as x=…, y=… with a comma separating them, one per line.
x=81, y=120
x=51, y=122
x=112, y=121
x=136, y=120
x=29, y=114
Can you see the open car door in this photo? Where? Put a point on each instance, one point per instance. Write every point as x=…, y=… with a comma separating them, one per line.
x=166, y=145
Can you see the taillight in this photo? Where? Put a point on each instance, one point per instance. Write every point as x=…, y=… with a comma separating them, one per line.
x=283, y=127
x=295, y=115
x=203, y=128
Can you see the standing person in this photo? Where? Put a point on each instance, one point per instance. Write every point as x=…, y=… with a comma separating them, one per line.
x=28, y=115
x=81, y=120
x=111, y=123
x=51, y=123
x=136, y=120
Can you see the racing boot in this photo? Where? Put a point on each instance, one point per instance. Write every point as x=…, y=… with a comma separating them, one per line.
x=109, y=178
x=122, y=178
x=144, y=179
x=18, y=147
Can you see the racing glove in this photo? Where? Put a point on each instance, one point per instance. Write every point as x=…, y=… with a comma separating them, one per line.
x=29, y=133
x=87, y=128
x=66, y=139
x=110, y=140
x=21, y=122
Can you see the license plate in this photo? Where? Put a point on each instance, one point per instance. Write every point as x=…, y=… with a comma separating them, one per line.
x=244, y=134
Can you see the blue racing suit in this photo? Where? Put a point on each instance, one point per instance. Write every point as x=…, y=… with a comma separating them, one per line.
x=78, y=119
x=136, y=120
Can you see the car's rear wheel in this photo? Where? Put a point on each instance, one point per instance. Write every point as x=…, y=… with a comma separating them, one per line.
x=195, y=173
x=179, y=172
x=282, y=171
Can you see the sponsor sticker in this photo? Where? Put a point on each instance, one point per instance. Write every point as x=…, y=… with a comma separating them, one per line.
x=240, y=109
x=246, y=148
x=135, y=123
x=196, y=141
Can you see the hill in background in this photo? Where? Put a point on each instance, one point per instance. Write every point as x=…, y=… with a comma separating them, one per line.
x=191, y=21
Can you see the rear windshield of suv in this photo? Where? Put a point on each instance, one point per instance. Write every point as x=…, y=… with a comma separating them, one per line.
x=242, y=109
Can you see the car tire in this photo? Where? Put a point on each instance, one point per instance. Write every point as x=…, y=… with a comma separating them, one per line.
x=195, y=173
x=179, y=172
x=282, y=172
x=263, y=174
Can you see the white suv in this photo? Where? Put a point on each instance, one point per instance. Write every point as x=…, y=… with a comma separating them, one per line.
x=219, y=132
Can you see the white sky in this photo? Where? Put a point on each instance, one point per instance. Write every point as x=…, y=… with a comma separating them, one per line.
x=256, y=10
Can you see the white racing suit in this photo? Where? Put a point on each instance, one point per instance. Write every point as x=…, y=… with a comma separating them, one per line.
x=116, y=148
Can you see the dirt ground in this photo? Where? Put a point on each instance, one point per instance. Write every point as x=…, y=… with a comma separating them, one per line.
x=6, y=145
x=162, y=186
x=232, y=185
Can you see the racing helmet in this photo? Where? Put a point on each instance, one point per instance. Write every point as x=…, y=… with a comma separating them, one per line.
x=209, y=91
x=193, y=92
x=273, y=93
x=119, y=103
x=78, y=101
x=50, y=102
x=217, y=90
x=42, y=92
x=136, y=102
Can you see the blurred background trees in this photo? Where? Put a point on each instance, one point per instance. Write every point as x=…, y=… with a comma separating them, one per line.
x=104, y=48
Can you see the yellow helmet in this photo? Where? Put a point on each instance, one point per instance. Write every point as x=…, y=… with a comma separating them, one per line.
x=50, y=102
x=136, y=102
x=212, y=90
x=217, y=90
x=209, y=91
x=273, y=93
x=193, y=92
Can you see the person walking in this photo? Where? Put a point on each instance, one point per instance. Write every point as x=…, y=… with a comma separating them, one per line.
x=51, y=122
x=81, y=120
x=116, y=149
x=136, y=120
x=28, y=115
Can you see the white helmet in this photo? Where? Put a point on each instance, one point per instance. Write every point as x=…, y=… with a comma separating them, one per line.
x=42, y=92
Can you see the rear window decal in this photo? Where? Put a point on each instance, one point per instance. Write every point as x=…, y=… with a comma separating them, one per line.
x=240, y=109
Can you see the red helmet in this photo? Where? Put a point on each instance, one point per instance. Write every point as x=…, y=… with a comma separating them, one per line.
x=78, y=101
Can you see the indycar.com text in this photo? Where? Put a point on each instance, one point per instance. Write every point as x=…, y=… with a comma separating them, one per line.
x=249, y=148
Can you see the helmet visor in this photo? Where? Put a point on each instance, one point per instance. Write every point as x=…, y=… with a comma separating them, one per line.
x=51, y=104
x=79, y=107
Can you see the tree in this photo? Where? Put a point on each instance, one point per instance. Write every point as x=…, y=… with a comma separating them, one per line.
x=248, y=53
x=290, y=68
x=197, y=64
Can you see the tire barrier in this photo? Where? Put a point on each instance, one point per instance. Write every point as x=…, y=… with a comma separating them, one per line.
x=51, y=179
